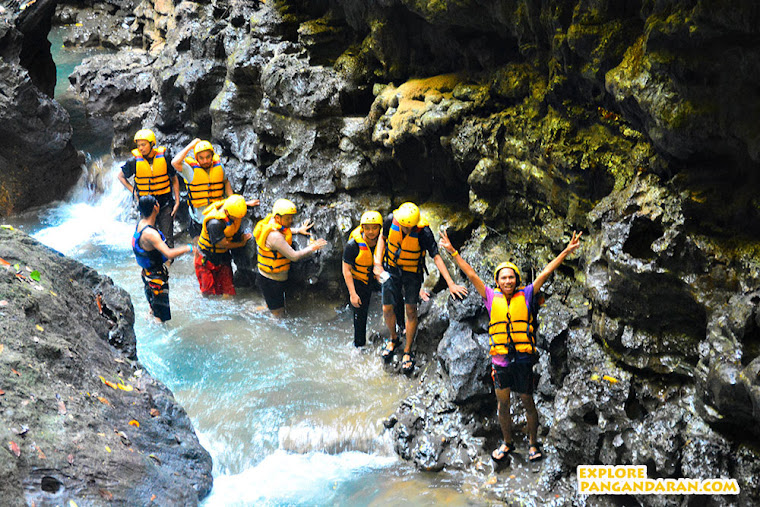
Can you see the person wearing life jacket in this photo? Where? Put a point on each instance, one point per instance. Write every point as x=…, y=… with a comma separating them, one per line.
x=153, y=175
x=400, y=253
x=151, y=252
x=358, y=261
x=510, y=307
x=220, y=233
x=205, y=180
x=274, y=239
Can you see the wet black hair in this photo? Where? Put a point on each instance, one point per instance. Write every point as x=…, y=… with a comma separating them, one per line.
x=146, y=205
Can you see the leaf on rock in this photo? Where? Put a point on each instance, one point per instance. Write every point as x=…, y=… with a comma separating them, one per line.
x=61, y=407
x=40, y=454
x=3, y=303
x=154, y=412
x=13, y=446
x=108, y=449
x=14, y=371
x=104, y=401
x=35, y=275
x=1, y=348
x=107, y=382
x=2, y=392
x=154, y=458
x=39, y=328
x=3, y=262
x=125, y=387
x=105, y=494
x=70, y=459
x=611, y=380
x=134, y=423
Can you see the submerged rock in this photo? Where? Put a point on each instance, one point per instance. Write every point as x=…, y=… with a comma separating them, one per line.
x=82, y=420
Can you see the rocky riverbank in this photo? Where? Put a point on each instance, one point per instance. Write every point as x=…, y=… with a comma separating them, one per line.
x=81, y=419
x=512, y=122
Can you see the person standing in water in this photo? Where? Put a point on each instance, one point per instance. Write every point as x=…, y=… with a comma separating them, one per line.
x=274, y=237
x=205, y=179
x=153, y=176
x=151, y=253
x=511, y=308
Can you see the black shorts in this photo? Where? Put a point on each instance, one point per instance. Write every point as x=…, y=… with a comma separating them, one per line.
x=274, y=292
x=517, y=376
x=402, y=287
x=194, y=228
x=157, y=292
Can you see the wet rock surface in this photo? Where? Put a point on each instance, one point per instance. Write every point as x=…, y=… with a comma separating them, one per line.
x=81, y=419
x=513, y=122
x=38, y=161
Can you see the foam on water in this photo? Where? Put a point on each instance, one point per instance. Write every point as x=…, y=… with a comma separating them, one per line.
x=283, y=478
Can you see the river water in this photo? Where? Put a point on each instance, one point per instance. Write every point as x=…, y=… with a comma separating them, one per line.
x=290, y=411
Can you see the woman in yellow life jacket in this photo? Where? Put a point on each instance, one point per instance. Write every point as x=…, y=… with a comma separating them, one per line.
x=274, y=237
x=205, y=179
x=357, y=270
x=511, y=336
x=153, y=176
x=400, y=253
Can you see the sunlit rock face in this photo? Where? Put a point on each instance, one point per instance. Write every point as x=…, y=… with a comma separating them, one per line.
x=513, y=122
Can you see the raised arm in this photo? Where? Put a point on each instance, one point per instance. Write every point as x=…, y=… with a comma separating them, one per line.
x=177, y=160
x=571, y=247
x=463, y=265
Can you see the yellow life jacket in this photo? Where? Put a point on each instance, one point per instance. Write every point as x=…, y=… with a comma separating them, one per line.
x=215, y=212
x=405, y=251
x=207, y=186
x=511, y=327
x=364, y=261
x=271, y=261
x=152, y=179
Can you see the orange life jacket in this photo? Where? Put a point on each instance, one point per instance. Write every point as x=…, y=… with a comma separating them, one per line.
x=271, y=261
x=152, y=179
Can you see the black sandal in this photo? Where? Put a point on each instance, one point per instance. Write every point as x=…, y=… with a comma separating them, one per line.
x=501, y=452
x=407, y=365
x=389, y=348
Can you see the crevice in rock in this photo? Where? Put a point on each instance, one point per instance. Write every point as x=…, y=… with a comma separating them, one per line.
x=641, y=236
x=633, y=408
x=751, y=341
x=50, y=484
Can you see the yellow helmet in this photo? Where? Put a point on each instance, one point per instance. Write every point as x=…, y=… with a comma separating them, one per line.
x=236, y=206
x=509, y=265
x=284, y=207
x=408, y=214
x=145, y=135
x=203, y=146
x=371, y=218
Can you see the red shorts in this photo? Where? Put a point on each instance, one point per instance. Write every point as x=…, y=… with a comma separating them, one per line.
x=214, y=279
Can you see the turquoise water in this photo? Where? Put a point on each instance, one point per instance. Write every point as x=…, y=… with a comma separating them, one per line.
x=290, y=411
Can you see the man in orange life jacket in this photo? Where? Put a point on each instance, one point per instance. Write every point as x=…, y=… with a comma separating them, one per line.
x=274, y=237
x=151, y=252
x=513, y=343
x=220, y=233
x=153, y=176
x=357, y=270
x=205, y=179
x=400, y=253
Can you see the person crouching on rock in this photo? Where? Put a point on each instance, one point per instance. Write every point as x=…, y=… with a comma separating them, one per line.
x=274, y=237
x=400, y=260
x=151, y=252
x=513, y=343
x=357, y=270
x=220, y=232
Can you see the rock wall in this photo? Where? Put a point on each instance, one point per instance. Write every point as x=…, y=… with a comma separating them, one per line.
x=81, y=419
x=38, y=163
x=514, y=122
